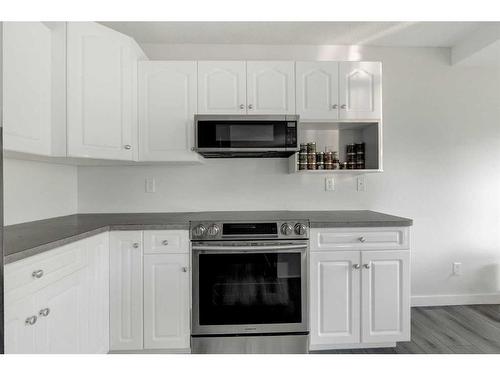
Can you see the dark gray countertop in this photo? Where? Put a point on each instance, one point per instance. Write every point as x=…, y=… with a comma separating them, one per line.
x=27, y=239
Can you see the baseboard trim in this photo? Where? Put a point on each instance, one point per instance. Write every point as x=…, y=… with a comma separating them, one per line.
x=320, y=347
x=456, y=299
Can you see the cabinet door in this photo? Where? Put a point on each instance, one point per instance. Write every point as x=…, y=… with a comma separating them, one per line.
x=317, y=90
x=335, y=298
x=27, y=84
x=222, y=87
x=98, y=289
x=19, y=334
x=271, y=87
x=360, y=90
x=385, y=296
x=101, y=65
x=166, y=301
x=62, y=310
x=125, y=289
x=167, y=104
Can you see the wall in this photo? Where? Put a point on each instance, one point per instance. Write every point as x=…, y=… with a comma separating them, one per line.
x=441, y=161
x=37, y=190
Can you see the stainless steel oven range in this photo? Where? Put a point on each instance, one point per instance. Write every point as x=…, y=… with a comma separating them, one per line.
x=249, y=287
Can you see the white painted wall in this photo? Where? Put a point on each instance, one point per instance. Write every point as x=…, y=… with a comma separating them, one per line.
x=37, y=190
x=441, y=161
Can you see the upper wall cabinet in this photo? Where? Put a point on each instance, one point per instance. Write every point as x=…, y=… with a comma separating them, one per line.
x=337, y=91
x=317, y=90
x=360, y=90
x=102, y=92
x=222, y=87
x=34, y=87
x=167, y=104
x=271, y=87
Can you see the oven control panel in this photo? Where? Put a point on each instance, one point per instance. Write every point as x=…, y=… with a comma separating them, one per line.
x=290, y=229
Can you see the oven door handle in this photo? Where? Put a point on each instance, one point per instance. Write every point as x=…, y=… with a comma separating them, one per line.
x=250, y=248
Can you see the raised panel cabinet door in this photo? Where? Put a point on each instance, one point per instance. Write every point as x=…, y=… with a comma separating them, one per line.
x=360, y=90
x=166, y=301
x=20, y=324
x=271, y=87
x=222, y=87
x=27, y=82
x=317, y=90
x=101, y=66
x=62, y=310
x=334, y=298
x=167, y=104
x=98, y=289
x=126, y=290
x=385, y=290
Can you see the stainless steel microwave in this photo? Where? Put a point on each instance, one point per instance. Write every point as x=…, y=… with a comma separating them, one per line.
x=246, y=136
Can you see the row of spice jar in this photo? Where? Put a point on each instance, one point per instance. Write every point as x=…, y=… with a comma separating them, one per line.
x=310, y=159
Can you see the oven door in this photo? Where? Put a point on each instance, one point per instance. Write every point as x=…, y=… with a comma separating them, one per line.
x=248, y=289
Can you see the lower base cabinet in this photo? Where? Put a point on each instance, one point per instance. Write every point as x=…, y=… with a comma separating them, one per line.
x=359, y=297
x=166, y=301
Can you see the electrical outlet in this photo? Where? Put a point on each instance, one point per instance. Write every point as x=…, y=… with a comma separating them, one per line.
x=150, y=185
x=457, y=268
x=361, y=183
x=329, y=184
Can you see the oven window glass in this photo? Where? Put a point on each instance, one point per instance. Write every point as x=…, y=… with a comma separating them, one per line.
x=251, y=288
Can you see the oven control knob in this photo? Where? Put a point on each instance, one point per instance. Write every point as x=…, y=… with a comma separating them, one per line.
x=300, y=229
x=286, y=229
x=213, y=230
x=199, y=230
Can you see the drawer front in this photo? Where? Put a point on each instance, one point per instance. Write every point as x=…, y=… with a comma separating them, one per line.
x=30, y=274
x=359, y=238
x=166, y=242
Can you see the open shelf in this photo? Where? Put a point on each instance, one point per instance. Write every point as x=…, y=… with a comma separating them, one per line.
x=336, y=136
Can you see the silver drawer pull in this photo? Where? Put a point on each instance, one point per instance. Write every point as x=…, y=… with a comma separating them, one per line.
x=356, y=266
x=135, y=245
x=30, y=320
x=37, y=274
x=362, y=239
x=44, y=312
x=367, y=265
x=184, y=269
x=127, y=147
x=164, y=242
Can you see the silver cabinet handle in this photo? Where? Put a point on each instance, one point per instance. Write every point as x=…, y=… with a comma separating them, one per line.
x=343, y=106
x=30, y=320
x=334, y=106
x=164, y=242
x=250, y=106
x=242, y=106
x=135, y=245
x=127, y=147
x=356, y=266
x=44, y=312
x=362, y=239
x=184, y=269
x=367, y=265
x=37, y=274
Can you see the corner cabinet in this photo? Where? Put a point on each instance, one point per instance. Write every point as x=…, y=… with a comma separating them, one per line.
x=101, y=92
x=359, y=287
x=167, y=104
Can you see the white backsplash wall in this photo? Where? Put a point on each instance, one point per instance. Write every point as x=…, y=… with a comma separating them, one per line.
x=441, y=162
x=36, y=190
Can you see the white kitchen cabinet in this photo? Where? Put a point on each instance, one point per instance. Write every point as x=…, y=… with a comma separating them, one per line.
x=334, y=297
x=222, y=87
x=167, y=104
x=20, y=317
x=34, y=87
x=385, y=296
x=360, y=90
x=317, y=90
x=126, y=290
x=166, y=301
x=271, y=87
x=102, y=92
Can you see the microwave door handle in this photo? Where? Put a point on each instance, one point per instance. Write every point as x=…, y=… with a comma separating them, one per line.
x=251, y=248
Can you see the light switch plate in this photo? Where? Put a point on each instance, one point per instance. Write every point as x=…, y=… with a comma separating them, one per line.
x=150, y=185
x=361, y=183
x=329, y=184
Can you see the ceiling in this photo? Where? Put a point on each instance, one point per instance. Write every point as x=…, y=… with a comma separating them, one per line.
x=391, y=34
